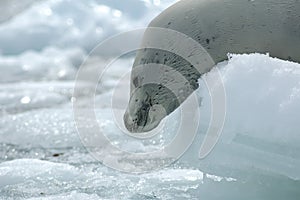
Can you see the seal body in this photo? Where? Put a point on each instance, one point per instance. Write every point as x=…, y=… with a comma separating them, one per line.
x=221, y=27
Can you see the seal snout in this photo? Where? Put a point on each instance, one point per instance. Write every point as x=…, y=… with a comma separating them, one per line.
x=141, y=121
x=136, y=122
x=145, y=109
x=129, y=122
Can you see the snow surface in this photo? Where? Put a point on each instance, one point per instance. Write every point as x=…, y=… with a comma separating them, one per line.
x=41, y=155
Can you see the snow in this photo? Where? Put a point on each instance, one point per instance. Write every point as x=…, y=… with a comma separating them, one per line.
x=42, y=157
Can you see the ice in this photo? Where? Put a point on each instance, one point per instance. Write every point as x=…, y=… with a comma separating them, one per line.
x=11, y=8
x=27, y=178
x=35, y=169
x=28, y=96
x=36, y=179
x=54, y=127
x=50, y=64
x=41, y=154
x=261, y=128
x=69, y=196
x=68, y=24
x=45, y=128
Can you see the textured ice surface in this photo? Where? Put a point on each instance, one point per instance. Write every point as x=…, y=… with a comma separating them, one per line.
x=261, y=131
x=50, y=64
x=67, y=24
x=10, y=8
x=245, y=163
x=41, y=155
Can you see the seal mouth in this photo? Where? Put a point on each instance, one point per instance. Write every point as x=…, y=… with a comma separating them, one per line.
x=138, y=119
x=143, y=113
x=139, y=124
x=145, y=120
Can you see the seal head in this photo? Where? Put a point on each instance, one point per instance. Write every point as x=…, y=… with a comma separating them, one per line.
x=147, y=107
x=220, y=27
x=160, y=82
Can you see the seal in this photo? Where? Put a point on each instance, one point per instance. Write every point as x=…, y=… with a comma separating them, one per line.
x=220, y=27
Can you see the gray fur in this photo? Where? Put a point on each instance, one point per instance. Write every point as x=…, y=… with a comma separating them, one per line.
x=220, y=26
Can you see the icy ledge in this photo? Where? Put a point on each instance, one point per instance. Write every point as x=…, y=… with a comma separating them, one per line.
x=261, y=130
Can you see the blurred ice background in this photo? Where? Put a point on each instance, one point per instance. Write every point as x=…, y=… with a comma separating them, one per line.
x=42, y=45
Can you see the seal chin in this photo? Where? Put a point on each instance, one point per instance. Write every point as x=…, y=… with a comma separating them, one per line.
x=138, y=124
